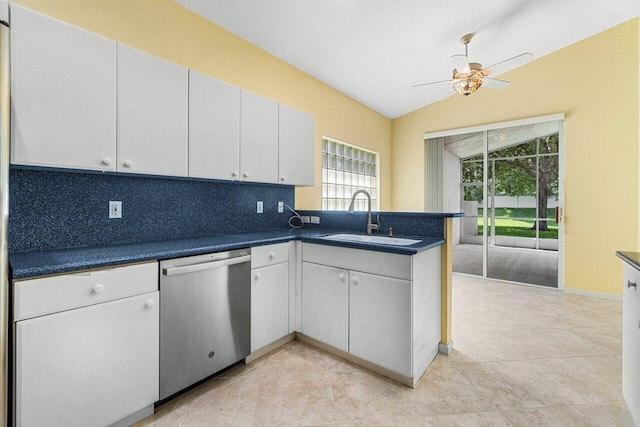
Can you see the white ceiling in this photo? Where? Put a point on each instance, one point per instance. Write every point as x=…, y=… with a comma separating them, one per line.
x=375, y=50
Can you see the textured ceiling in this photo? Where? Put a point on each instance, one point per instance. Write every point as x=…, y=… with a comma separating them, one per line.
x=375, y=50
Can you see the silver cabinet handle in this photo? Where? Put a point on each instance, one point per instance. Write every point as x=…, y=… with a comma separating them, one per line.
x=631, y=284
x=205, y=265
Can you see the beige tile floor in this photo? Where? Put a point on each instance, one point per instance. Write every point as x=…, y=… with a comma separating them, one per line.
x=523, y=356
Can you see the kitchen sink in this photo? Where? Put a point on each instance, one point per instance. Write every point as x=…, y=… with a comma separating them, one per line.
x=379, y=240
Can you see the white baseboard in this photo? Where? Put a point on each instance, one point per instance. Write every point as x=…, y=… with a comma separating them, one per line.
x=445, y=348
x=592, y=294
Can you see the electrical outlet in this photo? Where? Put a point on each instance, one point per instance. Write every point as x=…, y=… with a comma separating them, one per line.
x=259, y=207
x=115, y=209
x=280, y=207
x=315, y=220
x=306, y=219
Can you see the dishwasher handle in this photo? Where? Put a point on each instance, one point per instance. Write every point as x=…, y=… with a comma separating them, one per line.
x=172, y=271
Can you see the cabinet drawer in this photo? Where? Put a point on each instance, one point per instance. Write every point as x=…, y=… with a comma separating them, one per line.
x=631, y=277
x=262, y=256
x=36, y=297
x=380, y=263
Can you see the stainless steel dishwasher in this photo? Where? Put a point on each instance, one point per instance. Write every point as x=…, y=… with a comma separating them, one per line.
x=205, y=316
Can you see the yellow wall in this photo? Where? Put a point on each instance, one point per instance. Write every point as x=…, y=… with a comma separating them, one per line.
x=166, y=29
x=595, y=83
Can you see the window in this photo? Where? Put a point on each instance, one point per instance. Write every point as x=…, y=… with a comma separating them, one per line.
x=345, y=170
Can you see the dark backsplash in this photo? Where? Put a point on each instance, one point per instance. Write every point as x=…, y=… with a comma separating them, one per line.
x=403, y=223
x=60, y=209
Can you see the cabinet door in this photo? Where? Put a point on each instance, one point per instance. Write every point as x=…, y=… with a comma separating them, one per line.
x=631, y=355
x=214, y=128
x=63, y=94
x=296, y=147
x=325, y=304
x=89, y=366
x=269, y=305
x=152, y=114
x=258, y=138
x=380, y=321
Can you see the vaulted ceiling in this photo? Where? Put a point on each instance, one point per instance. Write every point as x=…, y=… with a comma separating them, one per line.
x=375, y=50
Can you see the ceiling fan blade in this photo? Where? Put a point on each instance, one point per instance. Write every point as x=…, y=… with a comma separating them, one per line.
x=461, y=63
x=434, y=83
x=447, y=94
x=507, y=64
x=494, y=83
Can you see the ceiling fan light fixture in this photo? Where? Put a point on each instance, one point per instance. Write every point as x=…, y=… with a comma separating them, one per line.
x=467, y=84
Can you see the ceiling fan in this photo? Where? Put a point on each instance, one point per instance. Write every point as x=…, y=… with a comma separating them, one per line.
x=469, y=76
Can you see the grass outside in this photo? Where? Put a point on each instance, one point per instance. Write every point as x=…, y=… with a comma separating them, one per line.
x=509, y=223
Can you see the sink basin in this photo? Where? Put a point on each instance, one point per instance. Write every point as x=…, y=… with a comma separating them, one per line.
x=380, y=240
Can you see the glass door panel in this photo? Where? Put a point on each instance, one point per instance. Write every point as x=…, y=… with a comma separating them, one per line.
x=524, y=182
x=509, y=189
x=468, y=258
x=467, y=151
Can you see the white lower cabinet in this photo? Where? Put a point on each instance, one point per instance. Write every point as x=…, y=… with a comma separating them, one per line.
x=270, y=294
x=325, y=304
x=382, y=308
x=89, y=366
x=269, y=305
x=86, y=347
x=631, y=353
x=380, y=321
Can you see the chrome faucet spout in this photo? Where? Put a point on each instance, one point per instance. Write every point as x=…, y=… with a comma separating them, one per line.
x=370, y=225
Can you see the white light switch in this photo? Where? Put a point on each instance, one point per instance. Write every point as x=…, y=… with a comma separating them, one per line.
x=259, y=207
x=115, y=209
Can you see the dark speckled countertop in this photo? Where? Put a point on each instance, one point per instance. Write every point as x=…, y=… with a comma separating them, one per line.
x=632, y=258
x=43, y=263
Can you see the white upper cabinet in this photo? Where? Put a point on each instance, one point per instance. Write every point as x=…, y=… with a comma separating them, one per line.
x=63, y=94
x=82, y=101
x=258, y=138
x=152, y=114
x=214, y=128
x=296, y=147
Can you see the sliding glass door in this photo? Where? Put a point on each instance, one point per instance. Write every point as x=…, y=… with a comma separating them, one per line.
x=523, y=175
x=510, y=191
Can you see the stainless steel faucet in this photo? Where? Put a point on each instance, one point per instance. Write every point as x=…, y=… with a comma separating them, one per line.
x=370, y=225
